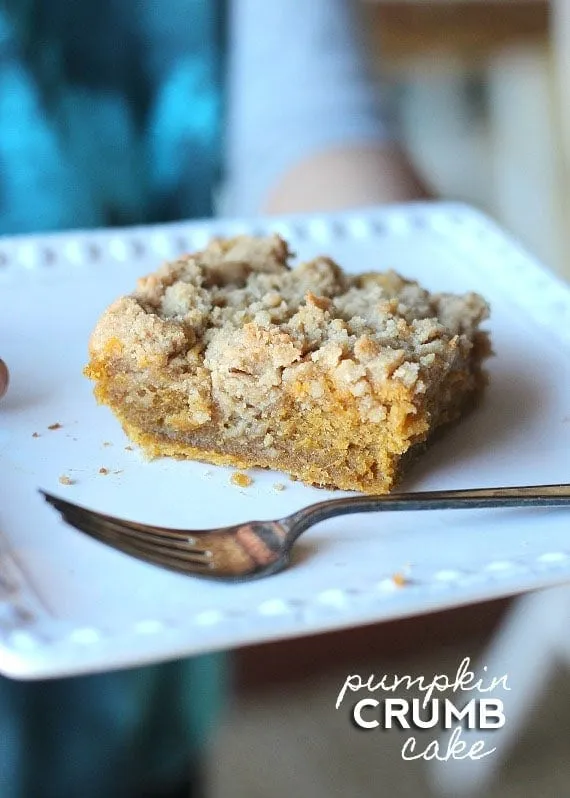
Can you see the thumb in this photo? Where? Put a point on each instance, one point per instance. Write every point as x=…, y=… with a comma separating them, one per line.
x=4, y=378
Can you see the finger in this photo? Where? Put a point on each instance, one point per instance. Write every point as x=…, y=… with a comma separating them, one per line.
x=4, y=378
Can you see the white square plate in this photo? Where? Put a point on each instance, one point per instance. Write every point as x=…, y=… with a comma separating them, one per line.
x=70, y=605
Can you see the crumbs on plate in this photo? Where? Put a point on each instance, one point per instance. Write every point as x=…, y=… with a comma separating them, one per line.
x=278, y=486
x=57, y=425
x=241, y=480
x=399, y=579
x=65, y=480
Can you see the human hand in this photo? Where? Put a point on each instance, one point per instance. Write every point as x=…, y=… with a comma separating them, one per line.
x=4, y=378
x=348, y=177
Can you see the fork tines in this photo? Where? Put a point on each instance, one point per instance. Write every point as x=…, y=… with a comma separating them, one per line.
x=173, y=549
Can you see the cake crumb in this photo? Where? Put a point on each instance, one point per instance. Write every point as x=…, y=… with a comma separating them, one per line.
x=104, y=471
x=107, y=443
x=65, y=480
x=241, y=480
x=229, y=355
x=35, y=434
x=207, y=473
x=399, y=579
x=57, y=425
x=278, y=486
x=129, y=449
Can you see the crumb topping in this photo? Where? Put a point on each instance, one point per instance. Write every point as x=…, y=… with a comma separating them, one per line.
x=234, y=326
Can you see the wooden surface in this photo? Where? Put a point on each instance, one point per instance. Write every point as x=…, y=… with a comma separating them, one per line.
x=474, y=28
x=290, y=661
x=482, y=101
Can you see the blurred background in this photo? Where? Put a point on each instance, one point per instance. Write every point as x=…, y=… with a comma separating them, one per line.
x=481, y=95
x=480, y=92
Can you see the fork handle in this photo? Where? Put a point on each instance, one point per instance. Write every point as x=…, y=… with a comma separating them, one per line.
x=529, y=496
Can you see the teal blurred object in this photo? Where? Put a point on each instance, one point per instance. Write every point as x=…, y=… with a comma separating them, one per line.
x=110, y=113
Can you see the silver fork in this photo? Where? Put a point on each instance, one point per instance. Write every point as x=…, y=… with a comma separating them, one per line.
x=260, y=548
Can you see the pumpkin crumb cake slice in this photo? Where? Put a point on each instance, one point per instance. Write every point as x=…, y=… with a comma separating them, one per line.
x=231, y=357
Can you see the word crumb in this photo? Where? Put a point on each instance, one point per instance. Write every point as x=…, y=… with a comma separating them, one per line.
x=241, y=480
x=65, y=480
